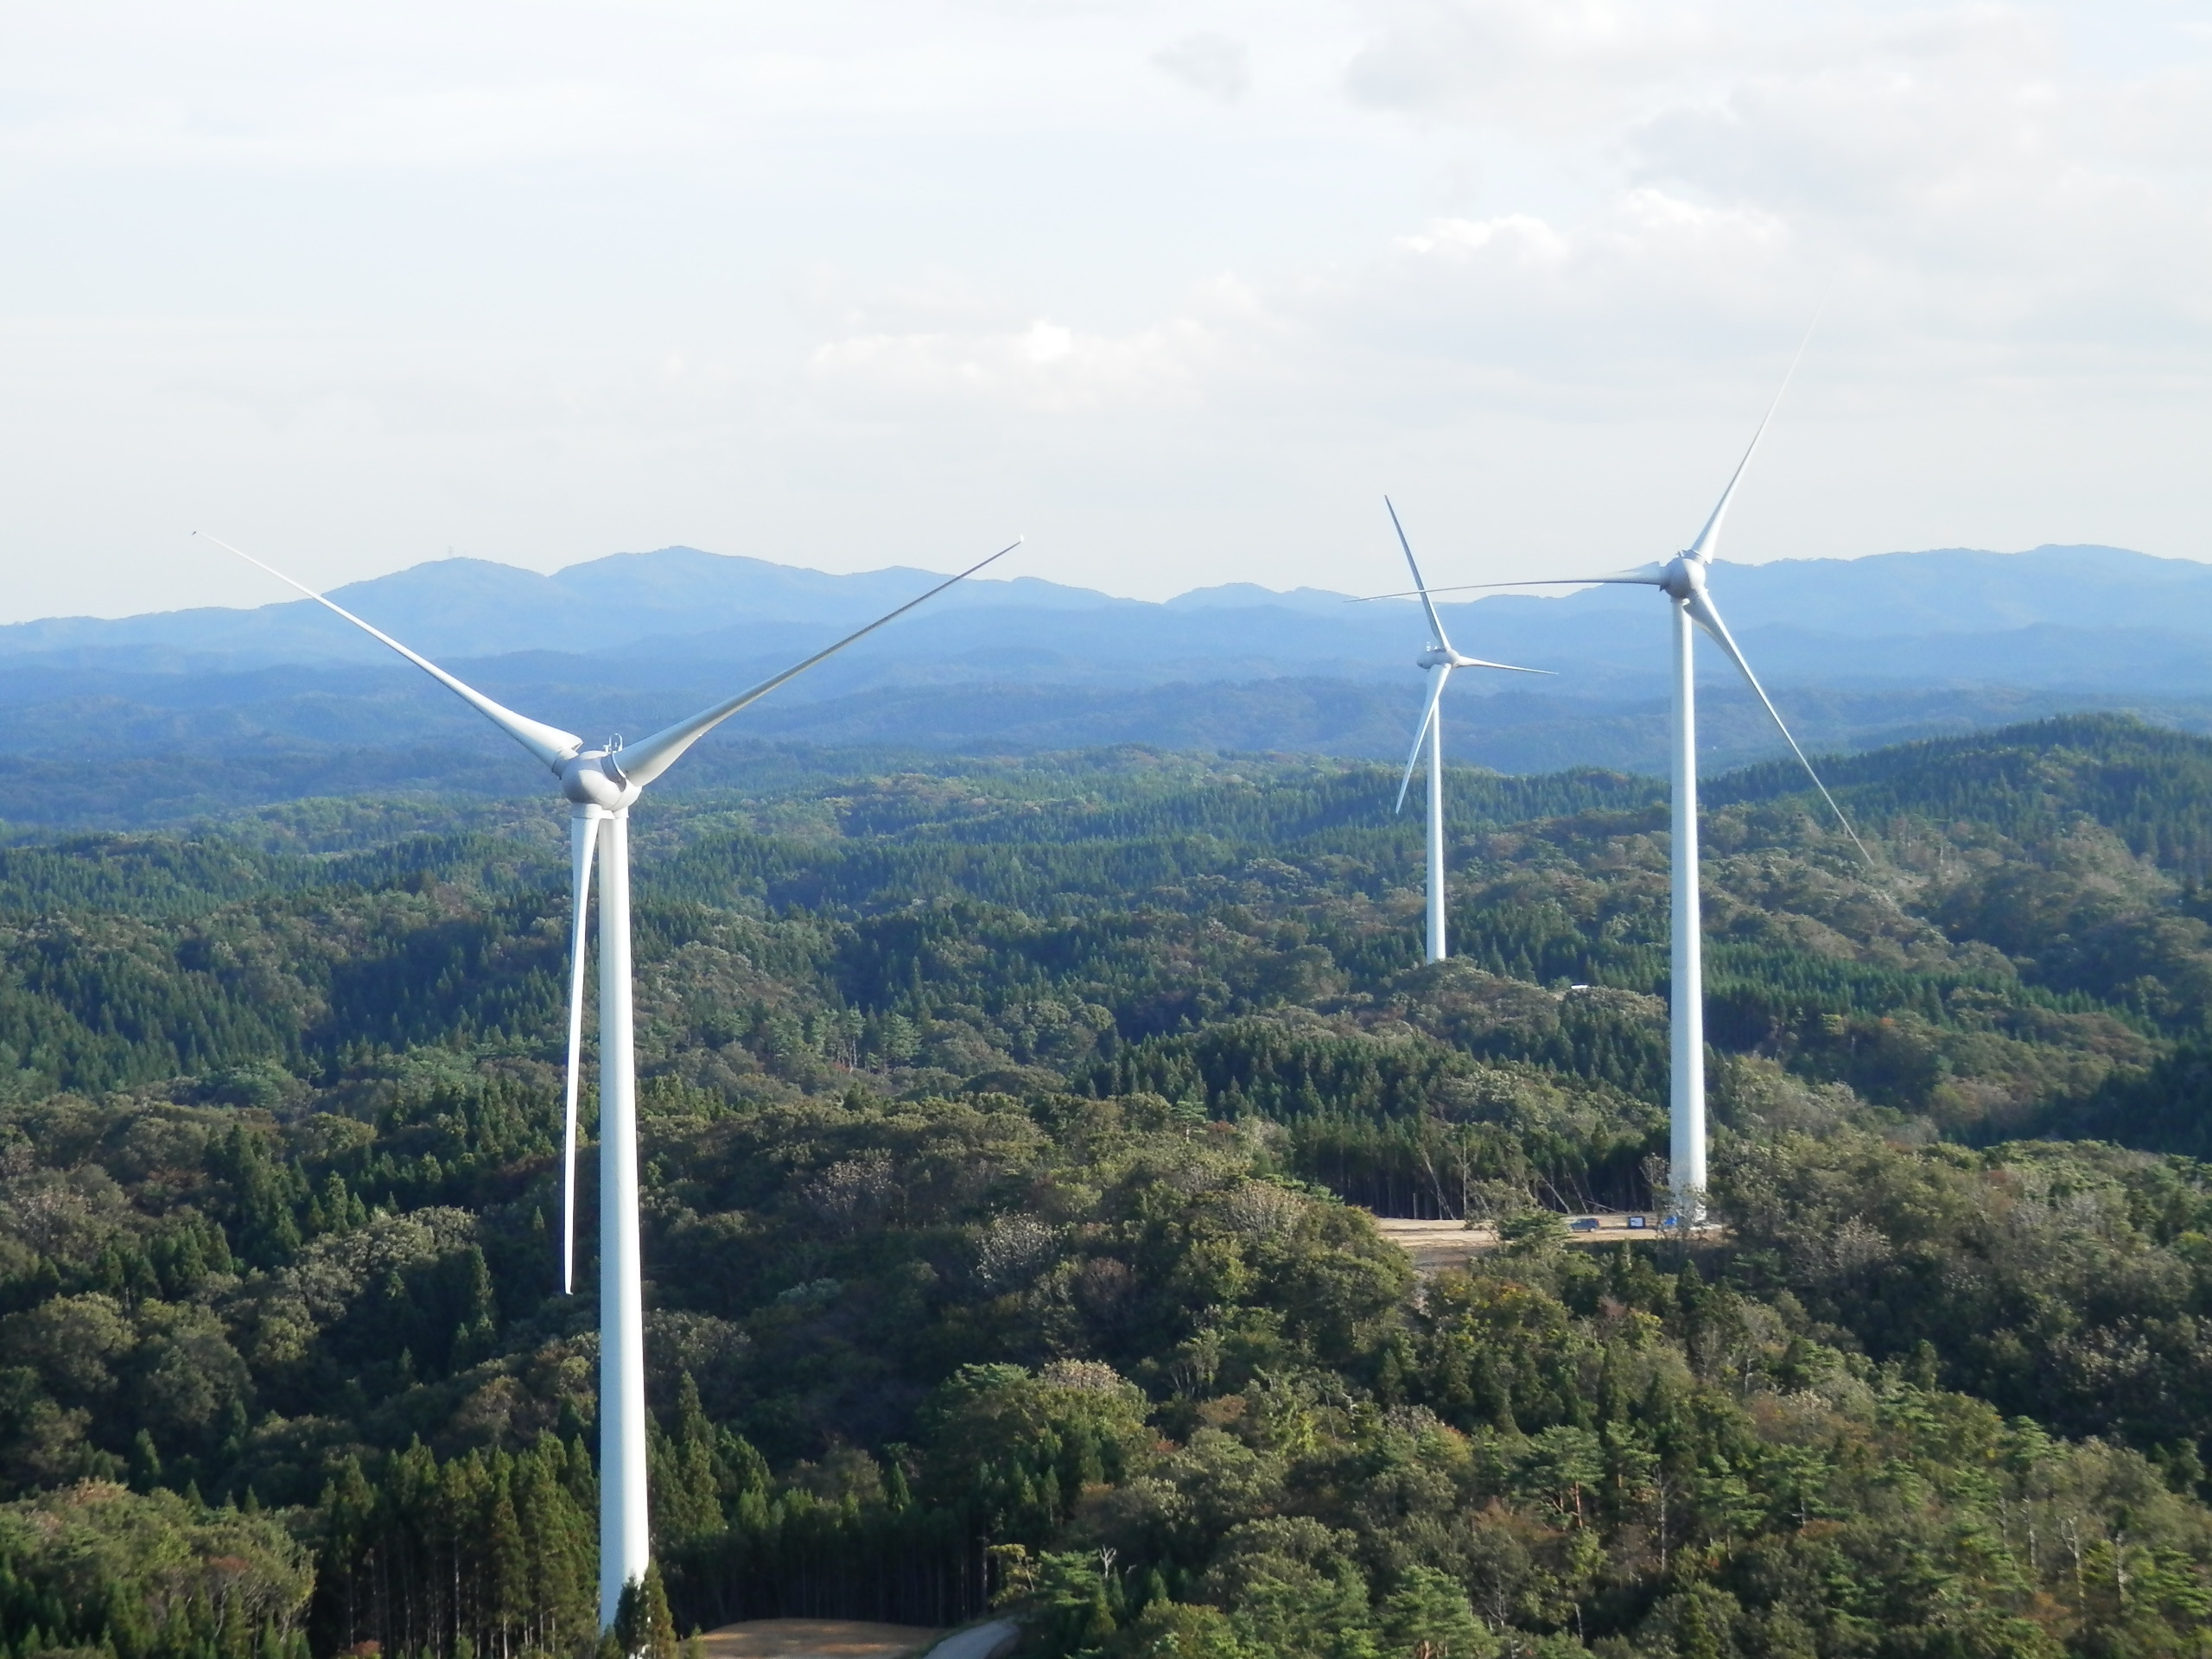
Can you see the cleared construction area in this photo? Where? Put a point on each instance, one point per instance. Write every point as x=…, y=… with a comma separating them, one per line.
x=848, y=1638
x=1436, y=1245
x=816, y=1638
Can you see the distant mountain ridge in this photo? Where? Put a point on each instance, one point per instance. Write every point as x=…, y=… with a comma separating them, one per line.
x=474, y=607
x=1874, y=649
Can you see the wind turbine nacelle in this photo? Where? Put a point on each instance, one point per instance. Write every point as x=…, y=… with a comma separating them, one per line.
x=593, y=779
x=1683, y=576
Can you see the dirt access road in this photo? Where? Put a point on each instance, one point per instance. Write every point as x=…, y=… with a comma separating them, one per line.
x=1436, y=1245
x=844, y=1638
x=816, y=1638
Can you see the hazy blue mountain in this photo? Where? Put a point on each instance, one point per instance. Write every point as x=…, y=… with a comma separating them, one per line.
x=474, y=607
x=1959, y=590
x=682, y=602
x=1859, y=651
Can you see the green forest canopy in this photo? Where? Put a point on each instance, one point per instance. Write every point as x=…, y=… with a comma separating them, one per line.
x=1001, y=1121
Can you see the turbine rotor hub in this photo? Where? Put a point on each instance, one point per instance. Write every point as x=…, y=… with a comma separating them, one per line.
x=1683, y=577
x=593, y=779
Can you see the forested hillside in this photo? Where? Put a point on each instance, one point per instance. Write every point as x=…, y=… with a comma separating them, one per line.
x=1006, y=1128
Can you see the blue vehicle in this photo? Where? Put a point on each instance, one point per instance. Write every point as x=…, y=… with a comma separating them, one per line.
x=1584, y=1224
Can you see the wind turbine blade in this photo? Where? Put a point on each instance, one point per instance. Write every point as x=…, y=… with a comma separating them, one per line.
x=1644, y=575
x=548, y=743
x=1709, y=536
x=1435, y=622
x=583, y=843
x=643, y=762
x=1703, y=614
x=1421, y=732
x=1509, y=667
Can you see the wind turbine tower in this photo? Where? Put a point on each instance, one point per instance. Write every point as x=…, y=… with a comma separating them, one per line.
x=601, y=785
x=1438, y=660
x=1683, y=580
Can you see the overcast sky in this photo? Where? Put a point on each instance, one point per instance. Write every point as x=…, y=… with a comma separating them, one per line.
x=1180, y=289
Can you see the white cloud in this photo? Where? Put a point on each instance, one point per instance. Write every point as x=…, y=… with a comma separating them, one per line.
x=1206, y=63
x=1044, y=366
x=1520, y=239
x=1980, y=188
x=540, y=279
x=1556, y=62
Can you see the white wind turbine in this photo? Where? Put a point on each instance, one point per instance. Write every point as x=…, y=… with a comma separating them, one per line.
x=1439, y=659
x=1682, y=580
x=601, y=785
